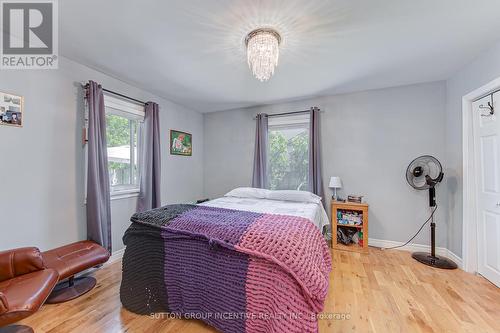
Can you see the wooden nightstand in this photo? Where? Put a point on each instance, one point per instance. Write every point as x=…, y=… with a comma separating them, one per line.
x=356, y=208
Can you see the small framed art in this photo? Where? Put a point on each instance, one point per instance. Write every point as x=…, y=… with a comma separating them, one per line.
x=11, y=110
x=181, y=143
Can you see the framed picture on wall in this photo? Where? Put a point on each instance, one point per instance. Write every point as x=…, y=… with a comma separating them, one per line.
x=181, y=143
x=11, y=110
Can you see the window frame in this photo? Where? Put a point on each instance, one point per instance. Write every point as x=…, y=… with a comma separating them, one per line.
x=131, y=111
x=296, y=121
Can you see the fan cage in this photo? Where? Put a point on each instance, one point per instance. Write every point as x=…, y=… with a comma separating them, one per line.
x=422, y=161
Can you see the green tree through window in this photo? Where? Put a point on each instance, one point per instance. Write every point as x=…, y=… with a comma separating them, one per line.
x=121, y=136
x=288, y=158
x=117, y=131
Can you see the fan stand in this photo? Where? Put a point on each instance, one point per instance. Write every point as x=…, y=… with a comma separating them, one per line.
x=432, y=259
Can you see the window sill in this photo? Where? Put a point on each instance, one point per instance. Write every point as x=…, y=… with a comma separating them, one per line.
x=119, y=195
x=124, y=194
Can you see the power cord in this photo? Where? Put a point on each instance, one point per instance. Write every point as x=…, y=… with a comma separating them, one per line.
x=427, y=221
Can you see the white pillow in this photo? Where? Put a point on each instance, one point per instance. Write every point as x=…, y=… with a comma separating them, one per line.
x=291, y=195
x=248, y=192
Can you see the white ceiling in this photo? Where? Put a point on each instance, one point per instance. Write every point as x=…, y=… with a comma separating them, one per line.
x=192, y=51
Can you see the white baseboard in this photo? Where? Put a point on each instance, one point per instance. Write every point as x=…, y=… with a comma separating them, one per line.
x=412, y=247
x=115, y=256
x=455, y=258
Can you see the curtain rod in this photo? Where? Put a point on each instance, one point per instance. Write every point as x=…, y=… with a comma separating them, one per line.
x=86, y=85
x=289, y=113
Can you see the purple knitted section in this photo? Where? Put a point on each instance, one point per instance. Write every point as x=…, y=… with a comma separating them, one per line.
x=219, y=225
x=205, y=281
x=204, y=277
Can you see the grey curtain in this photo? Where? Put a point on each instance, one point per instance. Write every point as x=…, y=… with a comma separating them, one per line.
x=259, y=178
x=315, y=178
x=98, y=199
x=150, y=177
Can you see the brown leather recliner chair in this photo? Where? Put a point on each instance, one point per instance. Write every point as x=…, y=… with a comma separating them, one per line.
x=25, y=284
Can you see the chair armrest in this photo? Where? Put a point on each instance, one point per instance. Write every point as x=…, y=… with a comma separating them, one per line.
x=20, y=261
x=4, y=306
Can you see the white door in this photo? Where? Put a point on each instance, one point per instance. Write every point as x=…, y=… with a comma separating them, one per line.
x=487, y=155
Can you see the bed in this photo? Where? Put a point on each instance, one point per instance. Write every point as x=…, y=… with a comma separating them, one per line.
x=252, y=261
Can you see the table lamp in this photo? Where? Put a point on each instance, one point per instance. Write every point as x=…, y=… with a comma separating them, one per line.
x=335, y=183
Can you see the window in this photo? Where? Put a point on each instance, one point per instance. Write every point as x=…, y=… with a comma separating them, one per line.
x=289, y=152
x=123, y=126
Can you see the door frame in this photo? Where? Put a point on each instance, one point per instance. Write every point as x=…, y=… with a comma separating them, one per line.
x=469, y=203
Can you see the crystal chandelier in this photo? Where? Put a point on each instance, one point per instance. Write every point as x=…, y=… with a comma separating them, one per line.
x=263, y=52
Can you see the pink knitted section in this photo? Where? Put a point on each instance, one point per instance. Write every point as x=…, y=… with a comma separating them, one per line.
x=297, y=246
x=275, y=302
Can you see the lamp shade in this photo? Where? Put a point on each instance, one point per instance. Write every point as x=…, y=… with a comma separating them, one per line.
x=335, y=182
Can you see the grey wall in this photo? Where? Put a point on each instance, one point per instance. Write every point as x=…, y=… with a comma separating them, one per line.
x=368, y=140
x=484, y=69
x=42, y=164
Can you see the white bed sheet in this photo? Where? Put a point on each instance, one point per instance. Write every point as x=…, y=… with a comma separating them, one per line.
x=311, y=211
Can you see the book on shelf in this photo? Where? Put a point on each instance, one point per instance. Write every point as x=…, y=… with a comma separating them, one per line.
x=349, y=217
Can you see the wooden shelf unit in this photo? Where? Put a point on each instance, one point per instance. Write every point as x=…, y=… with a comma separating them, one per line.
x=350, y=206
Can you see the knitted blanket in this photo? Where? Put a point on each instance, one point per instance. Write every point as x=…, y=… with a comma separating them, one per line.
x=241, y=271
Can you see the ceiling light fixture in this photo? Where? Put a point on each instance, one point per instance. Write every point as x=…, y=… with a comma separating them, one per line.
x=263, y=52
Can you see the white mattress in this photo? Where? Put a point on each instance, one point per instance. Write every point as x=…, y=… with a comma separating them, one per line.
x=311, y=211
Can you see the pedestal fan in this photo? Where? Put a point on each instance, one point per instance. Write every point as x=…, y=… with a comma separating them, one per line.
x=424, y=173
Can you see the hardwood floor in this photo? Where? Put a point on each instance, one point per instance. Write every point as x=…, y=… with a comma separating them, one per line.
x=381, y=291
